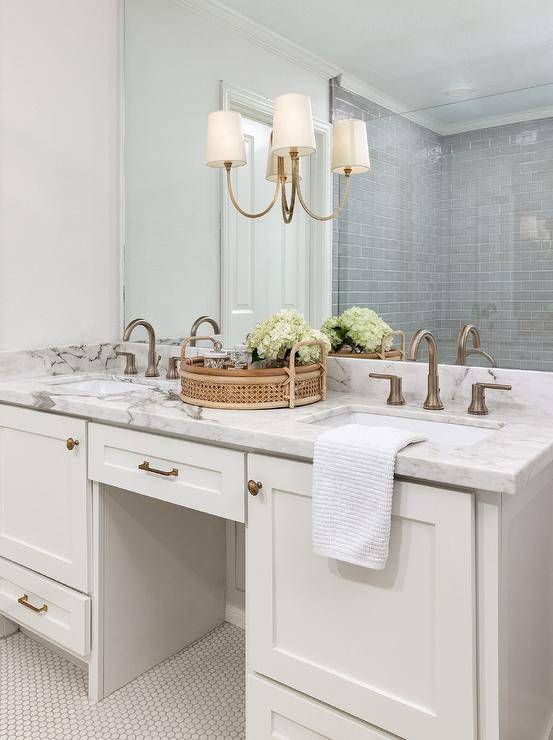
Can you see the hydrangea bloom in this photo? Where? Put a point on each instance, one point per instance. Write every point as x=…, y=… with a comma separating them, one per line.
x=361, y=328
x=331, y=328
x=273, y=338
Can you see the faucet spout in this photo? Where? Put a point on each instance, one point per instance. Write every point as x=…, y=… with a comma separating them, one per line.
x=433, y=401
x=203, y=320
x=152, y=371
x=471, y=331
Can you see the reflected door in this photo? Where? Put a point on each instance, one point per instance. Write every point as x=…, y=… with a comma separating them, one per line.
x=266, y=261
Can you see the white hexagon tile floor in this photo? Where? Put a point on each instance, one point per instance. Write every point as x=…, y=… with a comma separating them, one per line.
x=195, y=695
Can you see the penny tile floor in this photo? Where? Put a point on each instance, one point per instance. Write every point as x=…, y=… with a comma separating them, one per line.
x=197, y=694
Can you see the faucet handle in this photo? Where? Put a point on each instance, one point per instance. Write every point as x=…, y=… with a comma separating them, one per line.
x=478, y=401
x=130, y=367
x=396, y=396
x=173, y=368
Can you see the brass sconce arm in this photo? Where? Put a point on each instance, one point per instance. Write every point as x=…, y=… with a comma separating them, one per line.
x=287, y=205
x=232, y=197
x=296, y=179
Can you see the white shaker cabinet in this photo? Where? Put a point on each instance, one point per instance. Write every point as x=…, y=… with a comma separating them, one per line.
x=44, y=494
x=394, y=648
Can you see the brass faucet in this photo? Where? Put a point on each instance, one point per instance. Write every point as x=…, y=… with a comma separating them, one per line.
x=153, y=362
x=433, y=401
x=470, y=330
x=196, y=325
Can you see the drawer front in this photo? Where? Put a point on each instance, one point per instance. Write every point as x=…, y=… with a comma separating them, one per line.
x=198, y=476
x=54, y=612
x=273, y=711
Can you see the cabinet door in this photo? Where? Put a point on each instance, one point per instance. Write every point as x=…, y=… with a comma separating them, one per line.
x=44, y=494
x=392, y=647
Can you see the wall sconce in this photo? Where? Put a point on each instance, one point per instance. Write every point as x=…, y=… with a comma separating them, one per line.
x=292, y=137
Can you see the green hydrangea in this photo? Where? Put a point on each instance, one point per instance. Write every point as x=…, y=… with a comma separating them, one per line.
x=273, y=338
x=360, y=328
x=333, y=331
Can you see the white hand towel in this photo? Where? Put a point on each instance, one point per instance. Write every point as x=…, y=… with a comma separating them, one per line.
x=353, y=481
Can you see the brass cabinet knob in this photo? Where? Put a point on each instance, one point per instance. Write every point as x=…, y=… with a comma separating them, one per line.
x=254, y=487
x=71, y=443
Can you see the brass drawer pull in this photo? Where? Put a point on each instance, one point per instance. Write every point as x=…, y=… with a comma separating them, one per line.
x=71, y=443
x=146, y=467
x=24, y=601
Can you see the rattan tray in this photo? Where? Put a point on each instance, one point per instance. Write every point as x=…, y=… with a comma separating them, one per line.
x=381, y=353
x=279, y=387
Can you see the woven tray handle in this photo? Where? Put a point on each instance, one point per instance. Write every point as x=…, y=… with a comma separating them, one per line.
x=381, y=352
x=292, y=368
x=185, y=342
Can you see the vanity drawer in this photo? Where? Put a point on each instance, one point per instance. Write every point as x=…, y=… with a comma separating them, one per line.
x=199, y=476
x=274, y=711
x=66, y=618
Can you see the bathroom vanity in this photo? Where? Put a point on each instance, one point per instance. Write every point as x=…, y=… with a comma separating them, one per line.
x=115, y=498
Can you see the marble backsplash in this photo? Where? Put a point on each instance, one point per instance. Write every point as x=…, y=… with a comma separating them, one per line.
x=81, y=358
x=35, y=363
x=531, y=390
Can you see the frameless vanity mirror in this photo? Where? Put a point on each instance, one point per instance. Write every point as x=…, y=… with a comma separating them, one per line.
x=451, y=226
x=187, y=251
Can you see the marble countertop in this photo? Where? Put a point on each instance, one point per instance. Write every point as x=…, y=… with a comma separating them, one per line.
x=518, y=447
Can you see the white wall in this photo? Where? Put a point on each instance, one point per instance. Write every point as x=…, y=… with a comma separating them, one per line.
x=59, y=181
x=174, y=62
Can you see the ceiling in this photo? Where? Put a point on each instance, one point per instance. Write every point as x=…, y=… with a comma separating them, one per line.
x=414, y=52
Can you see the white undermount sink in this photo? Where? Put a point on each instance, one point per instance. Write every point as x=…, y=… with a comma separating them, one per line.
x=438, y=432
x=97, y=387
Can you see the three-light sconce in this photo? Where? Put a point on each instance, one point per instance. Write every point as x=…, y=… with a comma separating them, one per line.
x=292, y=137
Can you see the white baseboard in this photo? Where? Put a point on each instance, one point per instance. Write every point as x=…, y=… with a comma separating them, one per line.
x=235, y=616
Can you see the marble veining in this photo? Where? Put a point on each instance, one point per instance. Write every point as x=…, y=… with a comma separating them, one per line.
x=532, y=391
x=75, y=358
x=505, y=461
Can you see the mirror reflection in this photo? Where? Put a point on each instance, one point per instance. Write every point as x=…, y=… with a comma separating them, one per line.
x=450, y=230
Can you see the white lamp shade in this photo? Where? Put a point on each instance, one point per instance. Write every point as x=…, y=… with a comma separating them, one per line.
x=293, y=125
x=271, y=173
x=350, y=149
x=272, y=168
x=225, y=141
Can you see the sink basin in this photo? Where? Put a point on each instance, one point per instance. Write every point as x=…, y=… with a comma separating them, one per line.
x=437, y=432
x=98, y=387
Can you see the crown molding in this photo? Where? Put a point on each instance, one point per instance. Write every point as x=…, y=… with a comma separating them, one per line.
x=257, y=34
x=504, y=119
x=423, y=117
x=358, y=87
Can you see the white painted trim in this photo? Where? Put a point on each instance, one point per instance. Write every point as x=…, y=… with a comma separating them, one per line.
x=424, y=118
x=122, y=169
x=258, y=34
x=96, y=655
x=236, y=616
x=358, y=87
x=505, y=119
x=260, y=108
